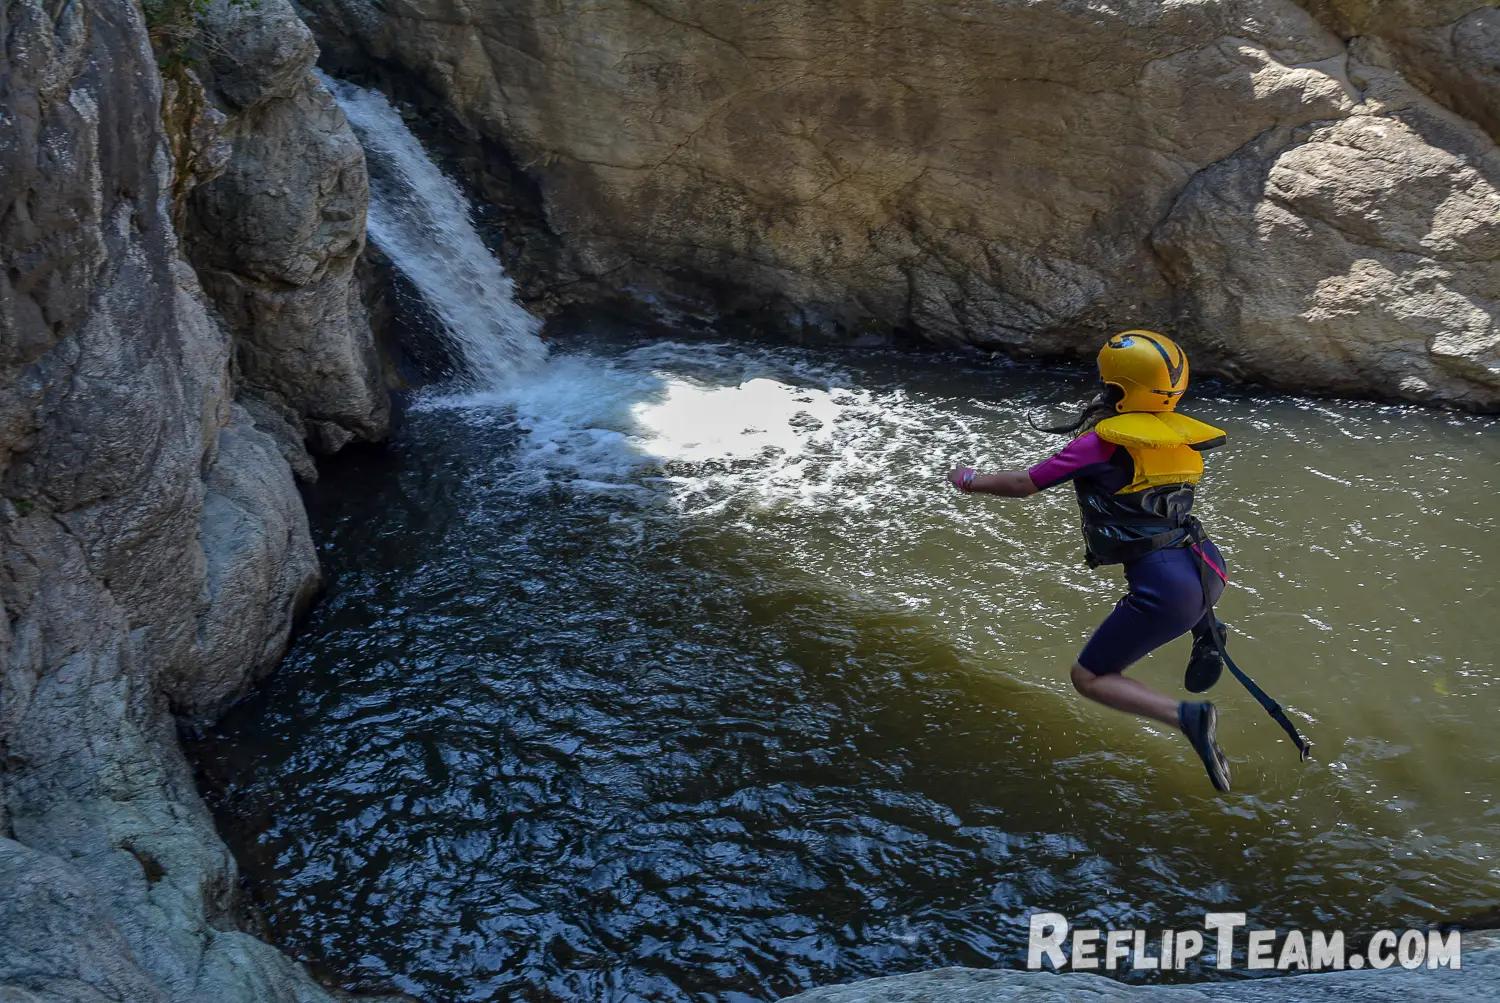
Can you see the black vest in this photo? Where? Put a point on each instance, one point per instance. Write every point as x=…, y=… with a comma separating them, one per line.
x=1119, y=528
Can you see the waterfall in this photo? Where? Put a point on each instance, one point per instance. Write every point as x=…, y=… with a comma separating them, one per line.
x=700, y=425
x=422, y=221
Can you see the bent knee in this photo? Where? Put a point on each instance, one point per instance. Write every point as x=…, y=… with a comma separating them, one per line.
x=1083, y=679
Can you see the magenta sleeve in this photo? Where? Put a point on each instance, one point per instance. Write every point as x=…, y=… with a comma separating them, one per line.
x=1085, y=451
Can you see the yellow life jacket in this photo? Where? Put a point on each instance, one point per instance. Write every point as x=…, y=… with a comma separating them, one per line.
x=1164, y=446
x=1154, y=510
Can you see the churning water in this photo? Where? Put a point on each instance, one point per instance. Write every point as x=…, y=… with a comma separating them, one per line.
x=675, y=671
x=420, y=219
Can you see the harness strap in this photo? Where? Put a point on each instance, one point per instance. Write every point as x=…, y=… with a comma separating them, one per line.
x=1304, y=747
x=1271, y=707
x=1223, y=576
x=1133, y=549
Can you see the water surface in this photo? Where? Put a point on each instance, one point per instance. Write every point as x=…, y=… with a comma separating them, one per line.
x=674, y=671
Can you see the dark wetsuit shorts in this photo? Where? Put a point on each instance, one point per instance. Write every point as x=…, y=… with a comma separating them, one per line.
x=1165, y=600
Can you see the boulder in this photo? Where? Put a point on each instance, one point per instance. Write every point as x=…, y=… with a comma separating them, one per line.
x=1361, y=252
x=276, y=236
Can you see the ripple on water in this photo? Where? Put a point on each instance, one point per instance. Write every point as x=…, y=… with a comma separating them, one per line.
x=675, y=673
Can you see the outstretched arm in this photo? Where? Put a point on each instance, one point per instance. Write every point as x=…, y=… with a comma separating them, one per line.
x=1006, y=483
x=1085, y=455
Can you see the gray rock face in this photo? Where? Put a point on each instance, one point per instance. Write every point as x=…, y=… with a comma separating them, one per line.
x=153, y=548
x=1385, y=228
x=998, y=172
x=275, y=237
x=259, y=568
x=1449, y=48
x=1479, y=978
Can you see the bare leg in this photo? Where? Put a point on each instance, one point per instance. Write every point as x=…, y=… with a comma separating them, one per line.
x=1123, y=693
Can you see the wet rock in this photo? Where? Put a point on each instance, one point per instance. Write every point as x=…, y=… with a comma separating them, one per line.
x=986, y=174
x=276, y=236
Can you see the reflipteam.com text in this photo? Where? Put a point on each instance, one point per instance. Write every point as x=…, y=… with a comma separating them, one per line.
x=1057, y=944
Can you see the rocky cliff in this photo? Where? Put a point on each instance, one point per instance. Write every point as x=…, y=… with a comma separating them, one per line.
x=155, y=549
x=1307, y=193
x=276, y=236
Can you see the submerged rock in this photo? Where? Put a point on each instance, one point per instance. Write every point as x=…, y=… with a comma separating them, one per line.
x=999, y=173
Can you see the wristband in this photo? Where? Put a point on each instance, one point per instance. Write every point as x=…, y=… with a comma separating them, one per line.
x=966, y=482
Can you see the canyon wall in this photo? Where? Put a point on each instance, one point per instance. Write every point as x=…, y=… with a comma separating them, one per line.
x=1306, y=194
x=155, y=548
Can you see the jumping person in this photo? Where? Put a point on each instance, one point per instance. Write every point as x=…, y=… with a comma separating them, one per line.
x=1134, y=465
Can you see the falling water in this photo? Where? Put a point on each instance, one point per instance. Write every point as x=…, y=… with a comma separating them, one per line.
x=421, y=220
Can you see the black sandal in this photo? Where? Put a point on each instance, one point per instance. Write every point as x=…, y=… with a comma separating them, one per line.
x=1200, y=723
x=1205, y=664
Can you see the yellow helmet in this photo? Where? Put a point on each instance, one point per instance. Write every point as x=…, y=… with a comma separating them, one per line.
x=1150, y=369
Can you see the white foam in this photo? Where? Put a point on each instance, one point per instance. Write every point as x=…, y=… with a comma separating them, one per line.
x=699, y=426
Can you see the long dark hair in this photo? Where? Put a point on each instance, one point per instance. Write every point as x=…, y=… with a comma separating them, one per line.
x=1099, y=406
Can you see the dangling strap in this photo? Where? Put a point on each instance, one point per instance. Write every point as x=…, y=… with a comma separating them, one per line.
x=1304, y=747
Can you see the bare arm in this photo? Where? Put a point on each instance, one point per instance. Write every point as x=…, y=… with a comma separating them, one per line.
x=1006, y=483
